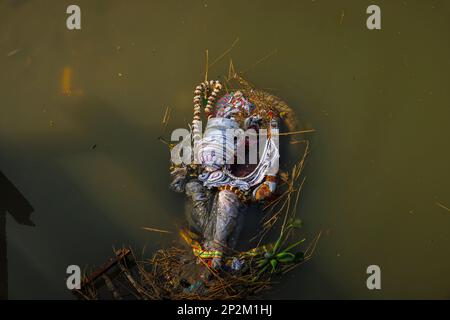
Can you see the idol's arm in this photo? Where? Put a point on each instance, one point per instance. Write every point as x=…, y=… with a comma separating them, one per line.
x=268, y=187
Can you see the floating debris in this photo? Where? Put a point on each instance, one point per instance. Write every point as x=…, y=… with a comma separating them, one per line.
x=203, y=266
x=342, y=17
x=156, y=230
x=443, y=206
x=66, y=81
x=13, y=52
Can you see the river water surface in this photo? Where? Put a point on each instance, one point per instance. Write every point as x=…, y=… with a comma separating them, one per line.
x=81, y=112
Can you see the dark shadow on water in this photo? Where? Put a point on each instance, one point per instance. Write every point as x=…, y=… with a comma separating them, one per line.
x=14, y=203
x=128, y=145
x=132, y=147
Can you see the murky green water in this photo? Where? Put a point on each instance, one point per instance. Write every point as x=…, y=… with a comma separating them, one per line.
x=91, y=165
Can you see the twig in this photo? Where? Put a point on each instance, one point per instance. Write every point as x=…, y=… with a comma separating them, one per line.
x=295, y=132
x=225, y=53
x=206, y=66
x=267, y=56
x=156, y=230
x=442, y=206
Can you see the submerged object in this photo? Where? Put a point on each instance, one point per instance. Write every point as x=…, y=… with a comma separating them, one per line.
x=219, y=190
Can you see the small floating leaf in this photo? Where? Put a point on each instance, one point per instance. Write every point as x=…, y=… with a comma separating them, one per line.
x=274, y=264
x=284, y=254
x=296, y=223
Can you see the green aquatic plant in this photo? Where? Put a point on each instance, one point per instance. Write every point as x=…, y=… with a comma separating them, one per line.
x=277, y=257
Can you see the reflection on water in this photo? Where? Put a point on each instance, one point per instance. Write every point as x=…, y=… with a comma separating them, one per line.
x=81, y=113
